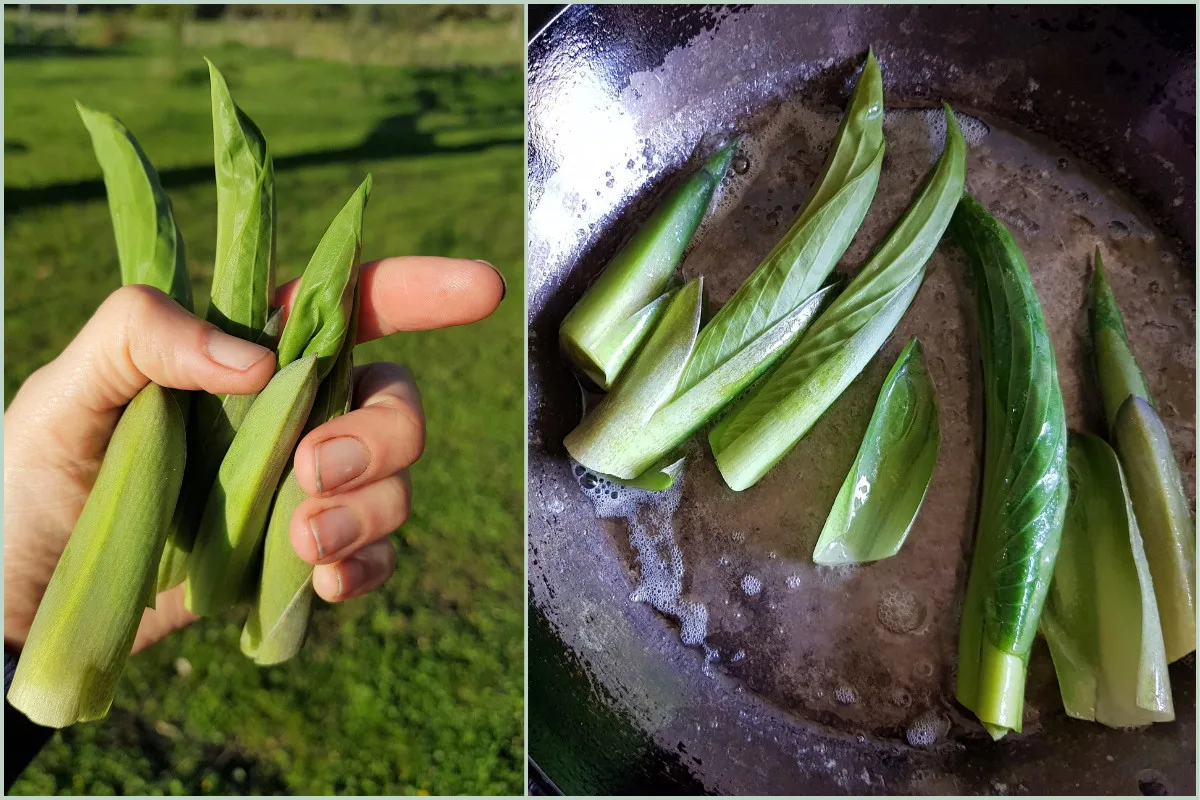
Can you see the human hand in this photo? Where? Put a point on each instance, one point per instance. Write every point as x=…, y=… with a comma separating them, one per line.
x=354, y=468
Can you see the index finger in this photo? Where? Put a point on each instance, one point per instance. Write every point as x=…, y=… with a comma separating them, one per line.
x=419, y=293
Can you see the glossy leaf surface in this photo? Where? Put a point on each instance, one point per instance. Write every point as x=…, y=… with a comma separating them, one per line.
x=883, y=491
x=1024, y=478
x=1101, y=618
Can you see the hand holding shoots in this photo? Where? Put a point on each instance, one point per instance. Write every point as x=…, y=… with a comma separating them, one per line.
x=235, y=515
x=243, y=287
x=85, y=624
x=84, y=627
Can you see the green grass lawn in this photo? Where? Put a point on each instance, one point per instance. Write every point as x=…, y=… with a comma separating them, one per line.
x=418, y=687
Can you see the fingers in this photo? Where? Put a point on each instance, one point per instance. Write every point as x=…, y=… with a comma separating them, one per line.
x=327, y=529
x=416, y=293
x=140, y=335
x=363, y=572
x=354, y=470
x=384, y=434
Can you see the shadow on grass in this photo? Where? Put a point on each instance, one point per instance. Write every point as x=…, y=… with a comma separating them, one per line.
x=15, y=51
x=206, y=768
x=392, y=137
x=28, y=41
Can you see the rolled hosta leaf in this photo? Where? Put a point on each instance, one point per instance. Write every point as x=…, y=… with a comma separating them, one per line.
x=1116, y=368
x=86, y=621
x=883, y=491
x=763, y=427
x=243, y=284
x=149, y=245
x=324, y=301
x=684, y=375
x=798, y=266
x=1024, y=478
x=658, y=478
x=235, y=514
x=215, y=420
x=1153, y=475
x=279, y=614
x=1101, y=619
x=1166, y=524
x=646, y=417
x=614, y=316
x=317, y=325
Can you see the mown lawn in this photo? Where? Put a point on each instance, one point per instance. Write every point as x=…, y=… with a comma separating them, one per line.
x=417, y=688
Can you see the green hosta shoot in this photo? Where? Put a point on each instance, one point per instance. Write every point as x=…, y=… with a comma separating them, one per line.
x=243, y=287
x=210, y=433
x=1153, y=475
x=883, y=491
x=149, y=245
x=1024, y=478
x=647, y=416
x=320, y=321
x=85, y=624
x=282, y=605
x=237, y=507
x=684, y=375
x=1166, y=524
x=87, y=620
x=614, y=316
x=1118, y=372
x=764, y=426
x=1101, y=619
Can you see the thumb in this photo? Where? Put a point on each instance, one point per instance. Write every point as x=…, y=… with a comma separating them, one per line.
x=139, y=335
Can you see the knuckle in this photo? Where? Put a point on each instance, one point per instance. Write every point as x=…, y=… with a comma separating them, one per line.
x=399, y=503
x=136, y=301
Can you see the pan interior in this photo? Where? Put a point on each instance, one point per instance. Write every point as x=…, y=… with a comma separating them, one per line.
x=699, y=614
x=871, y=649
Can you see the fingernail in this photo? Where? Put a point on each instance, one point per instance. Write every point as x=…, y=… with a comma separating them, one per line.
x=503, y=282
x=338, y=461
x=333, y=530
x=232, y=352
x=327, y=581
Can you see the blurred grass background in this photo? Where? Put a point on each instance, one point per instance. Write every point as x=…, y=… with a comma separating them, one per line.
x=417, y=688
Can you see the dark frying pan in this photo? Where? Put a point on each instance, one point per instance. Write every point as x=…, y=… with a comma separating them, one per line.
x=1085, y=135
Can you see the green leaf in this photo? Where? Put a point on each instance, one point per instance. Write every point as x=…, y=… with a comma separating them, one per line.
x=644, y=417
x=149, y=245
x=1115, y=366
x=1024, y=478
x=282, y=599
x=1101, y=619
x=614, y=316
x=684, y=375
x=214, y=421
x=765, y=425
x=319, y=319
x=883, y=491
x=89, y=615
x=1166, y=523
x=799, y=264
x=243, y=284
x=235, y=513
